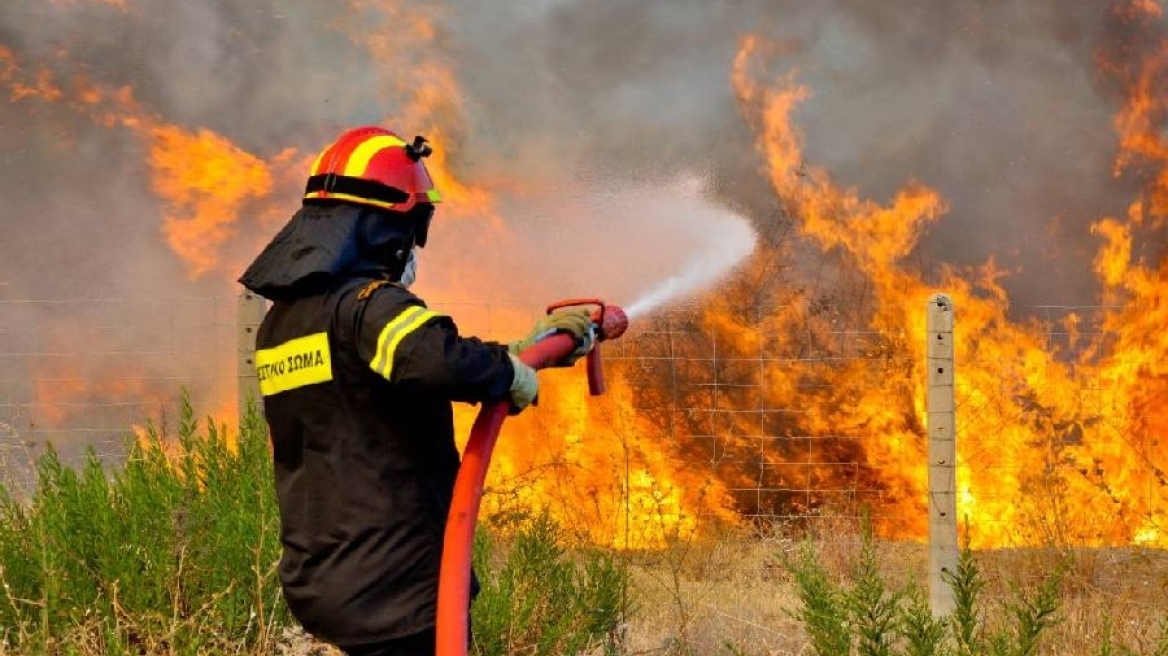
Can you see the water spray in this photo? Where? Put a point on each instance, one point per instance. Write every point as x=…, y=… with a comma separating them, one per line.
x=609, y=322
x=697, y=273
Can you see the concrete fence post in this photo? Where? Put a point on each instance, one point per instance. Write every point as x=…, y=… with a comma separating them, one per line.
x=940, y=406
x=249, y=313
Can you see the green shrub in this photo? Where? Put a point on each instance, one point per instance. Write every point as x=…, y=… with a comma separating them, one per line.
x=823, y=604
x=865, y=616
x=174, y=551
x=874, y=611
x=538, y=599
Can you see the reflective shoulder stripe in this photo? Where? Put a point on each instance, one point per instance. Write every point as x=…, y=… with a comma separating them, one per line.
x=295, y=363
x=394, y=332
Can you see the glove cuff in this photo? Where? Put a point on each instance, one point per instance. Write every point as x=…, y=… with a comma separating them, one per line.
x=524, y=383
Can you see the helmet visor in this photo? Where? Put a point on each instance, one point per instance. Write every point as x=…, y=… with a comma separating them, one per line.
x=421, y=214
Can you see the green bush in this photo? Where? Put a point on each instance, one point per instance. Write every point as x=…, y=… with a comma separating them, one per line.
x=864, y=616
x=538, y=599
x=174, y=551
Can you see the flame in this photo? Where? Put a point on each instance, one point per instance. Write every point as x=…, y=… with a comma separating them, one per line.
x=593, y=463
x=599, y=466
x=1039, y=460
x=1053, y=445
x=205, y=179
x=195, y=169
x=94, y=394
x=38, y=85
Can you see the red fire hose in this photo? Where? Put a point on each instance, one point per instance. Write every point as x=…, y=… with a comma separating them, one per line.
x=454, y=576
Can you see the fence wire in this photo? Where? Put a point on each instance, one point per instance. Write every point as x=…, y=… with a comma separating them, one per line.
x=820, y=422
x=85, y=374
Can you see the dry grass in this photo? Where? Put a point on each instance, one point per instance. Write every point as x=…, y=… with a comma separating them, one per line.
x=731, y=594
x=699, y=598
x=1126, y=587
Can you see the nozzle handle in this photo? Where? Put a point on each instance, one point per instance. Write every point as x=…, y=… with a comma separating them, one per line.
x=611, y=322
x=595, y=366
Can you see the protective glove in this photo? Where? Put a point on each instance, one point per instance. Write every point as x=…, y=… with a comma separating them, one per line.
x=524, y=385
x=575, y=321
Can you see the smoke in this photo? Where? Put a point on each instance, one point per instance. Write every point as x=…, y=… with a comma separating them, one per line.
x=577, y=117
x=996, y=105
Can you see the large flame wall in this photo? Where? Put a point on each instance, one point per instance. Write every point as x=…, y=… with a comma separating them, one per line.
x=1011, y=156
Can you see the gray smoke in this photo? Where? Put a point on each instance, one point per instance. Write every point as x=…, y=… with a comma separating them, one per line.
x=998, y=105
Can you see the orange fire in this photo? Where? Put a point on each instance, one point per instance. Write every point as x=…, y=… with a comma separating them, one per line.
x=1053, y=446
x=1048, y=450
x=105, y=392
x=597, y=465
x=23, y=85
x=592, y=463
x=205, y=178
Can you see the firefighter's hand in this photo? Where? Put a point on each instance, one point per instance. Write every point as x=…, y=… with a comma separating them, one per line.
x=575, y=321
x=524, y=386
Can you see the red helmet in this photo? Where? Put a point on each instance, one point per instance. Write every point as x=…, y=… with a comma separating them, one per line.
x=373, y=166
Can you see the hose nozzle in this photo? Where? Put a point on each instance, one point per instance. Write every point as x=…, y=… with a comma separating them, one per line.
x=611, y=322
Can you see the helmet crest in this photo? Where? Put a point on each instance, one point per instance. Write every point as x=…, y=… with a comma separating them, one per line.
x=419, y=149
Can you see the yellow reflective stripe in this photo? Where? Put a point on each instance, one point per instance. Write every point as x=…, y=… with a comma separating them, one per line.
x=295, y=363
x=433, y=196
x=316, y=163
x=359, y=159
x=356, y=199
x=392, y=335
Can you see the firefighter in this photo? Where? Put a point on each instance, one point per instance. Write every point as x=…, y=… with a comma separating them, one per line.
x=357, y=376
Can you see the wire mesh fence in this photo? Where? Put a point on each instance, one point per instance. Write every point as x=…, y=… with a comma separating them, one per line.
x=83, y=374
x=745, y=409
x=1057, y=437
x=820, y=422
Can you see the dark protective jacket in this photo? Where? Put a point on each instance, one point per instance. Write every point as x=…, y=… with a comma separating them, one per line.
x=358, y=381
